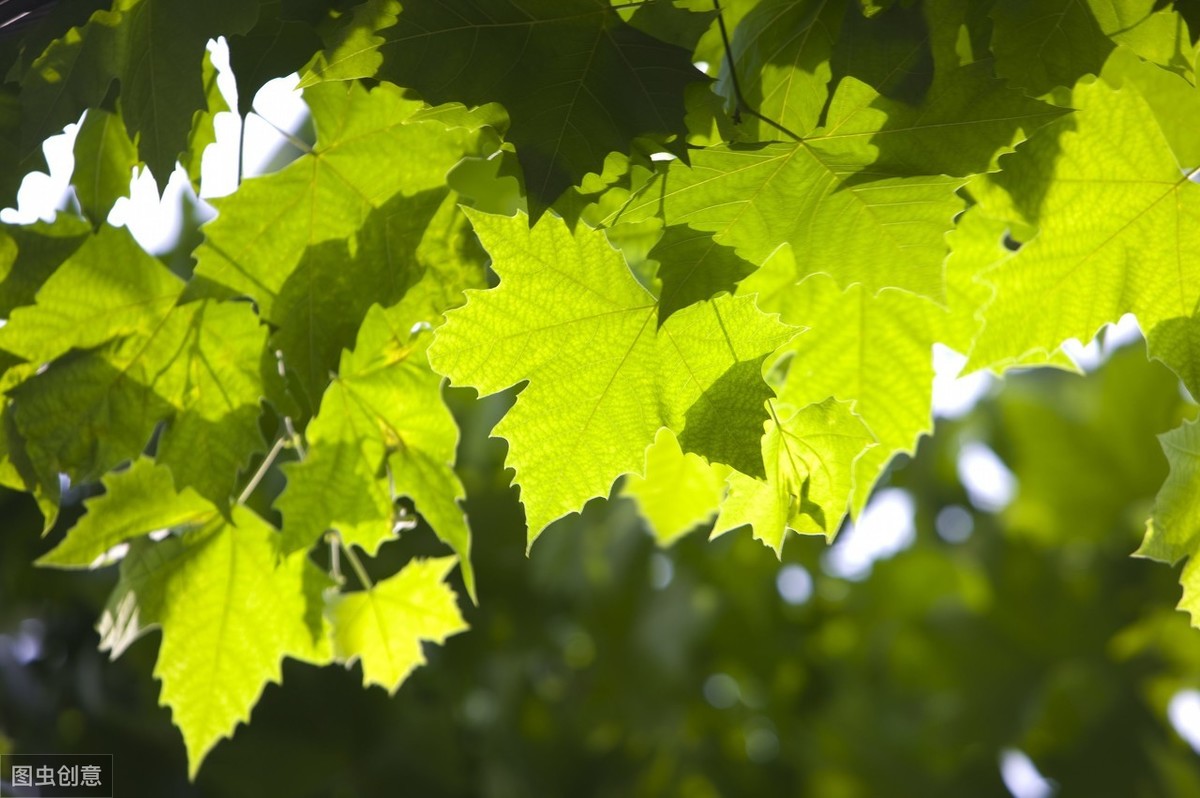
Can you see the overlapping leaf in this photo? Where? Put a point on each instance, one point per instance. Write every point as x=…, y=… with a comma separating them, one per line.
x=1085, y=268
x=678, y=491
x=382, y=432
x=782, y=52
x=967, y=119
x=123, y=356
x=229, y=614
x=810, y=455
x=1173, y=531
x=104, y=162
x=140, y=500
x=317, y=243
x=577, y=81
x=570, y=318
x=1042, y=44
x=154, y=51
x=693, y=267
x=872, y=350
x=840, y=216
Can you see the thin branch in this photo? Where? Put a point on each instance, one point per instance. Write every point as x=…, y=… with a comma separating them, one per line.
x=291, y=138
x=294, y=437
x=739, y=98
x=241, y=154
x=335, y=562
x=262, y=470
x=355, y=563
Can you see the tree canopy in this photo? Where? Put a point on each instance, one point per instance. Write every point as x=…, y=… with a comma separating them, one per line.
x=689, y=260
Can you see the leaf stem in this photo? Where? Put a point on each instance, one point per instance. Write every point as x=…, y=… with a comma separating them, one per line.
x=355, y=563
x=335, y=561
x=241, y=152
x=262, y=470
x=297, y=442
x=291, y=138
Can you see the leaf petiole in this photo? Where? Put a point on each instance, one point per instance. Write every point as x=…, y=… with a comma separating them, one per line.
x=355, y=563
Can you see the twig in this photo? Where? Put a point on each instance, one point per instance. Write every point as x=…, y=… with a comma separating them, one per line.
x=739, y=98
x=262, y=470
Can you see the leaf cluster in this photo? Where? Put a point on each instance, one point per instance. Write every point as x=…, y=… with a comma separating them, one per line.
x=711, y=251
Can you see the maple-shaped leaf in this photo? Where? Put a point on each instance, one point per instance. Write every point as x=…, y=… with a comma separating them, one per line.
x=569, y=318
x=154, y=50
x=678, y=491
x=137, y=501
x=315, y=244
x=840, y=216
x=1042, y=44
x=977, y=246
x=122, y=356
x=229, y=611
x=104, y=162
x=1173, y=531
x=810, y=455
x=872, y=350
x=382, y=432
x=384, y=625
x=578, y=82
x=1085, y=269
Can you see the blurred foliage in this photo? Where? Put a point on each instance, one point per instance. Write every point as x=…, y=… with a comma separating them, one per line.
x=603, y=666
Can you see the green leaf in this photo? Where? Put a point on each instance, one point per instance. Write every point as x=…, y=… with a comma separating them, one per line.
x=693, y=267
x=1042, y=44
x=204, y=131
x=104, y=163
x=578, y=82
x=382, y=432
x=782, y=52
x=124, y=357
x=215, y=378
x=965, y=122
x=140, y=500
x=840, y=217
x=874, y=351
x=384, y=625
x=154, y=50
x=679, y=490
x=303, y=241
x=571, y=319
x=107, y=289
x=1173, y=531
x=29, y=254
x=890, y=51
x=229, y=613
x=1084, y=268
x=810, y=455
x=19, y=472
x=276, y=46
